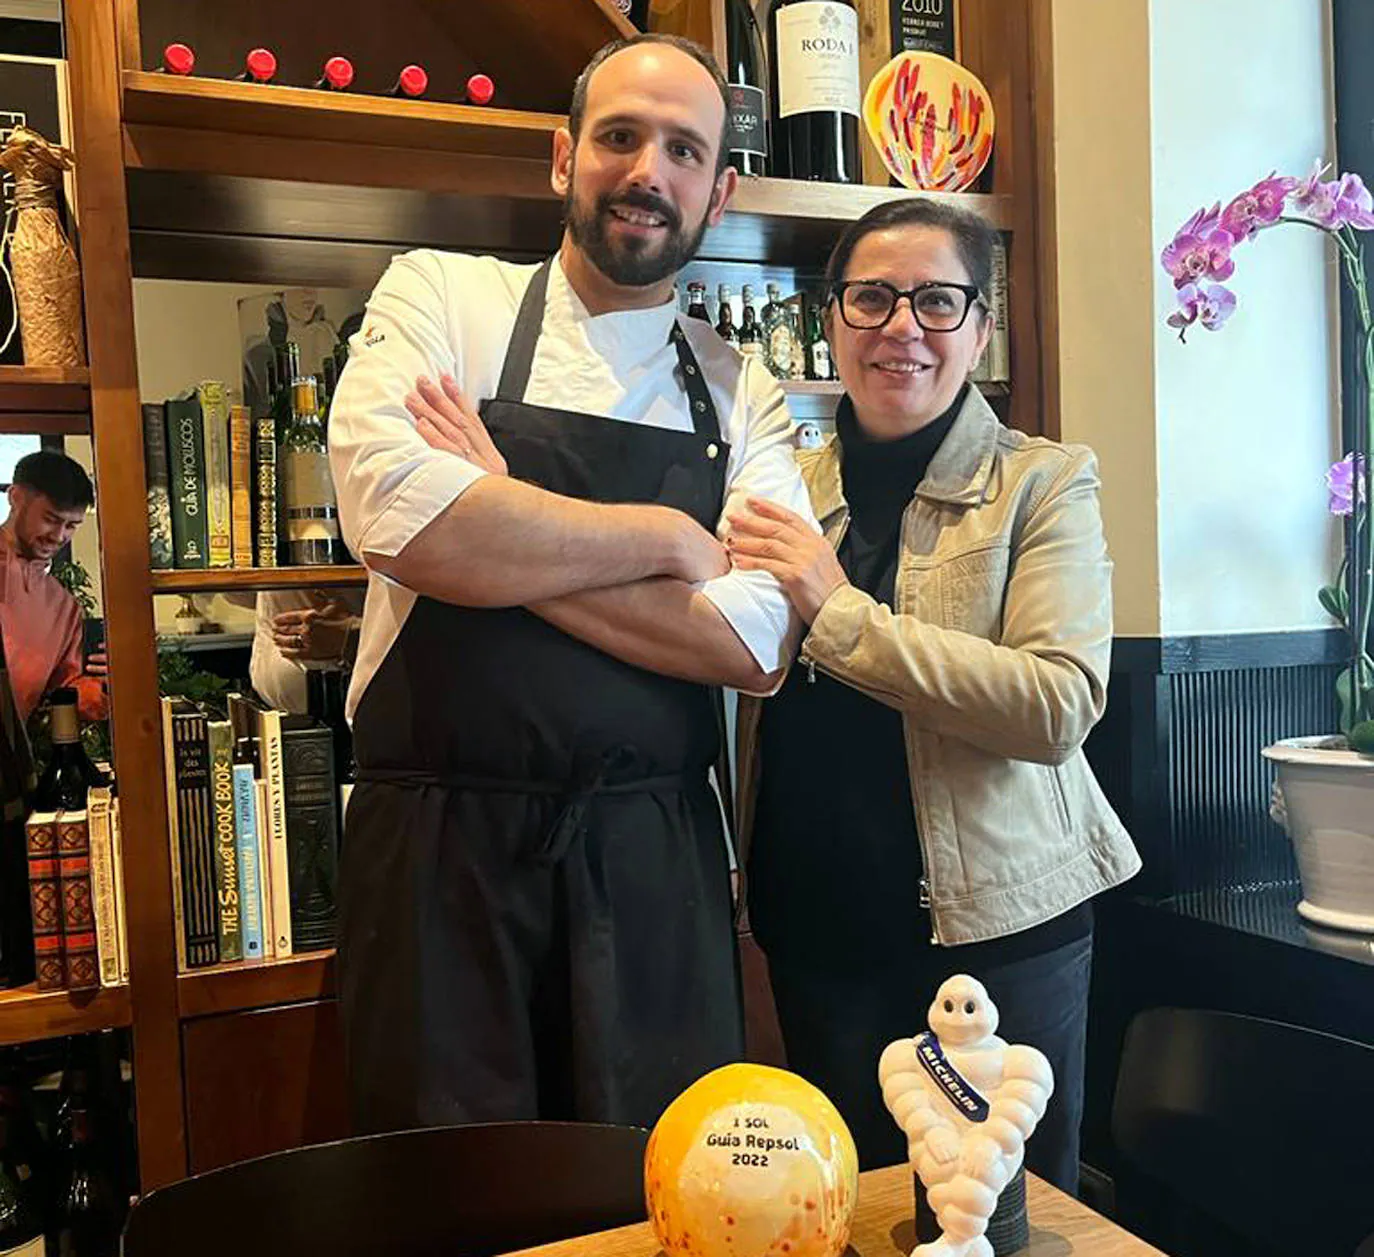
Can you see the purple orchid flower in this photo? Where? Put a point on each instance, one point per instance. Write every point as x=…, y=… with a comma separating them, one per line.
x=1334, y=203
x=1201, y=250
x=1354, y=203
x=1341, y=485
x=1208, y=304
x=1260, y=207
x=1305, y=191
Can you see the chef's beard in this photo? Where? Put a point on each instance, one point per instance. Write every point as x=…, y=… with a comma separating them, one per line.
x=632, y=263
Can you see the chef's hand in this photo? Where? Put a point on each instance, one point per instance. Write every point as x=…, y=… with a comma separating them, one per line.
x=770, y=538
x=447, y=422
x=699, y=555
x=315, y=632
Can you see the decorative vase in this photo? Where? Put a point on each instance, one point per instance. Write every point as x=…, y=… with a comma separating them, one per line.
x=1327, y=793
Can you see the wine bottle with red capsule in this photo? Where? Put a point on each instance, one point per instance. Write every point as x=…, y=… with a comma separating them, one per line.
x=479, y=90
x=259, y=66
x=337, y=76
x=411, y=82
x=177, y=59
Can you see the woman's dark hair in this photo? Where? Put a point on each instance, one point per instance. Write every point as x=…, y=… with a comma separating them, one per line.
x=60, y=479
x=974, y=238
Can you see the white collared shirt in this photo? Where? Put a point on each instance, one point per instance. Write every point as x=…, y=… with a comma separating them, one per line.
x=434, y=313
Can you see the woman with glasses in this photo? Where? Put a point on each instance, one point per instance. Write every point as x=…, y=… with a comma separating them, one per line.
x=914, y=802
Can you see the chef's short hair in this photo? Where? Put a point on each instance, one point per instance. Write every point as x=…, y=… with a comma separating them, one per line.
x=700, y=55
x=61, y=479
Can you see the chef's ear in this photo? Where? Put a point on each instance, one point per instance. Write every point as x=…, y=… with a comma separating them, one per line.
x=726, y=183
x=561, y=174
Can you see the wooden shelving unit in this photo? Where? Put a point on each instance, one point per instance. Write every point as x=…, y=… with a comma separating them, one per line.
x=211, y=580
x=236, y=988
x=45, y=400
x=209, y=179
x=27, y=1014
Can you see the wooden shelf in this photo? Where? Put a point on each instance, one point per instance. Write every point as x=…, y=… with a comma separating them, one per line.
x=45, y=400
x=27, y=1014
x=239, y=987
x=210, y=580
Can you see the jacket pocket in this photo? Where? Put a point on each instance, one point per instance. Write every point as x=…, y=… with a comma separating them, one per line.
x=1057, y=796
x=972, y=590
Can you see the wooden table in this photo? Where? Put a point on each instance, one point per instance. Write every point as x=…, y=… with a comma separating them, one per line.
x=883, y=1227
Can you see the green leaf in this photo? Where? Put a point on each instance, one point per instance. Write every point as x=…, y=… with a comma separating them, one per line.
x=1335, y=602
x=1346, y=700
x=1362, y=737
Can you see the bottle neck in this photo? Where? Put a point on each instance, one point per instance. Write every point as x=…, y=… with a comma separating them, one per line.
x=66, y=729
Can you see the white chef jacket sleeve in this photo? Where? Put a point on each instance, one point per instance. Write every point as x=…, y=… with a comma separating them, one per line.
x=754, y=603
x=389, y=482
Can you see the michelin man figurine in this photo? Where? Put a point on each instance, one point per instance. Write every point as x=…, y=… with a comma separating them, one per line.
x=968, y=1101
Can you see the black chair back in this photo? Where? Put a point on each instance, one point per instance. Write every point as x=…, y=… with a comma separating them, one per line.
x=1262, y=1127
x=460, y=1191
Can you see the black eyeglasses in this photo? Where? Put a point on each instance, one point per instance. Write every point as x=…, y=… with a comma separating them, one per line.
x=868, y=304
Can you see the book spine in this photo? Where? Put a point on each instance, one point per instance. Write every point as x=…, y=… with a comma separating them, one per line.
x=121, y=913
x=78, y=907
x=269, y=942
x=278, y=879
x=219, y=513
x=312, y=829
x=220, y=738
x=250, y=878
x=265, y=484
x=98, y=814
x=159, y=486
x=241, y=483
x=999, y=344
x=186, y=451
x=45, y=901
x=194, y=827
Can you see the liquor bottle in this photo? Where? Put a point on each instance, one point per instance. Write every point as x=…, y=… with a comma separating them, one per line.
x=69, y=773
x=792, y=312
x=813, y=53
x=22, y=1207
x=689, y=18
x=312, y=512
x=744, y=71
x=750, y=335
x=177, y=59
x=696, y=301
x=479, y=90
x=259, y=66
x=288, y=368
x=725, y=317
x=411, y=82
x=780, y=343
x=337, y=75
x=817, y=347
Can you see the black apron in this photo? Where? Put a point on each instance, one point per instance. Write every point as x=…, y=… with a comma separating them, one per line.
x=535, y=916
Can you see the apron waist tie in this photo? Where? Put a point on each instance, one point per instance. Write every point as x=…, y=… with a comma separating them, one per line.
x=587, y=783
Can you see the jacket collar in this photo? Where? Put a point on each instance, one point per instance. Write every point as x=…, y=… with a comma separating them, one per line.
x=958, y=474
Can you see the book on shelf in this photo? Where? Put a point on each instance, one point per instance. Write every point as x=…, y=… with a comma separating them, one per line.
x=995, y=367
x=265, y=489
x=214, y=412
x=45, y=901
x=186, y=451
x=248, y=844
x=108, y=918
x=241, y=483
x=78, y=903
x=220, y=736
x=191, y=837
x=277, y=900
x=159, y=488
x=121, y=911
x=312, y=830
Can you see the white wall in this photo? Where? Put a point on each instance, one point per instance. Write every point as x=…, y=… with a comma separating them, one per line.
x=1247, y=417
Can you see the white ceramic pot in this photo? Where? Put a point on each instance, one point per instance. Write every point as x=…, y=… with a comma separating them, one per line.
x=1328, y=805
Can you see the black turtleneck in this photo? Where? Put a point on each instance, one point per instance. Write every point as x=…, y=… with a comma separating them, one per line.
x=835, y=862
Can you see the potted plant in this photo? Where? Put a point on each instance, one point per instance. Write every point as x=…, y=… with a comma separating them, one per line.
x=1325, y=789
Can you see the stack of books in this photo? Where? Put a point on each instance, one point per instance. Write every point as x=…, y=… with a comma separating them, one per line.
x=253, y=806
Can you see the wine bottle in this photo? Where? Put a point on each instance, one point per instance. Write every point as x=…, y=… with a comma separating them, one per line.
x=725, y=317
x=88, y=1208
x=337, y=75
x=69, y=773
x=817, y=347
x=312, y=512
x=813, y=53
x=925, y=26
x=21, y=1175
x=479, y=90
x=779, y=342
x=750, y=337
x=747, y=126
x=259, y=66
x=411, y=82
x=696, y=301
x=177, y=59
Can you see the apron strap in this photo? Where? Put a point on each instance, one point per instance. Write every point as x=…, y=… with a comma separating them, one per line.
x=515, y=371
